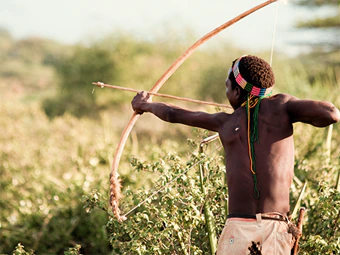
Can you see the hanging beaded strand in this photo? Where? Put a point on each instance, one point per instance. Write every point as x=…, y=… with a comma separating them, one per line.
x=254, y=98
x=252, y=102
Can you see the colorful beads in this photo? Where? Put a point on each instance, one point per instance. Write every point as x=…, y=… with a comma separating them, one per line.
x=256, y=91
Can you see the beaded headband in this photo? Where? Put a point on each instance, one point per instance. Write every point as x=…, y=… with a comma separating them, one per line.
x=256, y=91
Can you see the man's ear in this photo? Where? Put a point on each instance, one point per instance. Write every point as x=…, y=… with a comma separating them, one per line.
x=238, y=92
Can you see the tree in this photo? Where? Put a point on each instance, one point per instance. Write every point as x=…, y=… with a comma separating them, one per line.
x=327, y=26
x=76, y=72
x=323, y=60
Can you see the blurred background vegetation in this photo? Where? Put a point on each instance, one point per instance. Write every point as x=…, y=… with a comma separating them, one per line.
x=57, y=140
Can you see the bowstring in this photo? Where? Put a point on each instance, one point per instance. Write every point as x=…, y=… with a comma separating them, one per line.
x=274, y=33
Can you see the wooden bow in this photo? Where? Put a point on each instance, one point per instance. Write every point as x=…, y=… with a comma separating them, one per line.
x=115, y=185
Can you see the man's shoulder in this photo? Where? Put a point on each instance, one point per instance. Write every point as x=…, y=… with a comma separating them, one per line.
x=281, y=97
x=280, y=100
x=276, y=105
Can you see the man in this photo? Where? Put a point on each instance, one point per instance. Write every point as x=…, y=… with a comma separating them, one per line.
x=259, y=152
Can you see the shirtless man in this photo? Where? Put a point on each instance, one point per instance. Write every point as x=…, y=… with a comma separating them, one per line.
x=259, y=191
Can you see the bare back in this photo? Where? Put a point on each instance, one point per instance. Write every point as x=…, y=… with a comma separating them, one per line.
x=274, y=159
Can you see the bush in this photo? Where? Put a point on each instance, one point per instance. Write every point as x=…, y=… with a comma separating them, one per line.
x=172, y=219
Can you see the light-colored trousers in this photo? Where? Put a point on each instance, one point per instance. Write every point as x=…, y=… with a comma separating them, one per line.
x=241, y=235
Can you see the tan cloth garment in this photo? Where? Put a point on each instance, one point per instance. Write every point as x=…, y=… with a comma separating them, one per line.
x=241, y=235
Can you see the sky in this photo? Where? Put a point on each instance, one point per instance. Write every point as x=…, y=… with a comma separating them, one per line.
x=73, y=21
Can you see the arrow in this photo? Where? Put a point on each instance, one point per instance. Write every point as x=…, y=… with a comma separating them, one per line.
x=102, y=85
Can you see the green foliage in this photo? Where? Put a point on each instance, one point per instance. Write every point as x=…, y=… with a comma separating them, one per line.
x=171, y=220
x=54, y=171
x=328, y=22
x=323, y=222
x=74, y=250
x=316, y=3
x=24, y=71
x=20, y=250
x=44, y=172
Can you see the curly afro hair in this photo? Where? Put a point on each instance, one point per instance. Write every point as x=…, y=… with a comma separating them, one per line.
x=256, y=71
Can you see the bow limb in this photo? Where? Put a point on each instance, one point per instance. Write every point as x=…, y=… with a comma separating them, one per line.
x=115, y=185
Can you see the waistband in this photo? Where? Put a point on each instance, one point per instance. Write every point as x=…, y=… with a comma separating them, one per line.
x=263, y=216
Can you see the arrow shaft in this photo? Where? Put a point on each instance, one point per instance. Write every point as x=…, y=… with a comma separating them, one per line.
x=100, y=84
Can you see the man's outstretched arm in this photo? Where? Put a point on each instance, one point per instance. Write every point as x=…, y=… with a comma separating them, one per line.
x=142, y=103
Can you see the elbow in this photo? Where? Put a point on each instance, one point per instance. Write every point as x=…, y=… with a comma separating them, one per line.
x=330, y=117
x=335, y=114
